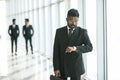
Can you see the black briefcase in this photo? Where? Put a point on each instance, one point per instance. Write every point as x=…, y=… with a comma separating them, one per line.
x=54, y=78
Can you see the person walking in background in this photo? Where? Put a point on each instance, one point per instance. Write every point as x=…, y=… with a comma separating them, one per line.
x=14, y=32
x=28, y=32
x=70, y=42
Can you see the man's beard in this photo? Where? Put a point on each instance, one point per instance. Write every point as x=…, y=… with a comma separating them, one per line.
x=72, y=26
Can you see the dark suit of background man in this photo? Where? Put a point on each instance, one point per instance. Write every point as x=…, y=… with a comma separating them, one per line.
x=28, y=32
x=70, y=42
x=13, y=31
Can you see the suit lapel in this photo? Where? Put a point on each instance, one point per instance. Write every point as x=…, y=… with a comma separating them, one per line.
x=64, y=35
x=15, y=26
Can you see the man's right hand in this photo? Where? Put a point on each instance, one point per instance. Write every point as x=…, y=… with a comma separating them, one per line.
x=57, y=73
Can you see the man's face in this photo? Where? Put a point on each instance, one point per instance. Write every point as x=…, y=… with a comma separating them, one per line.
x=26, y=22
x=72, y=21
x=14, y=22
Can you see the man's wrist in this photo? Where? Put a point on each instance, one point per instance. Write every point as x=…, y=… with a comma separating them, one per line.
x=74, y=48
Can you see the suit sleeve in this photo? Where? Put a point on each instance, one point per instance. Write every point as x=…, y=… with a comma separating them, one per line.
x=32, y=30
x=9, y=30
x=18, y=31
x=23, y=31
x=86, y=46
x=56, y=52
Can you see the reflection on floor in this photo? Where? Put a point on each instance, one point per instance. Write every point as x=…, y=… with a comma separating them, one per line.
x=30, y=67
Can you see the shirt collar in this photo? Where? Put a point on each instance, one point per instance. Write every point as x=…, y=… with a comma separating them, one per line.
x=27, y=25
x=13, y=25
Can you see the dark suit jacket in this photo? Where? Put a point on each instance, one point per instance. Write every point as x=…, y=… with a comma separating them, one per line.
x=28, y=31
x=70, y=65
x=14, y=32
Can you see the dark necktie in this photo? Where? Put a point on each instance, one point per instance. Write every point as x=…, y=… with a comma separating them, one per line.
x=70, y=33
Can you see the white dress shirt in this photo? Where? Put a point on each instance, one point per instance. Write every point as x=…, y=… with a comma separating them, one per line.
x=13, y=25
x=69, y=28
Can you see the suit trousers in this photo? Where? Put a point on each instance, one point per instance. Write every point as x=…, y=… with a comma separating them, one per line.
x=26, y=41
x=12, y=44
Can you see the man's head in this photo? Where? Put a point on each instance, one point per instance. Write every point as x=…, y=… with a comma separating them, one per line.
x=14, y=21
x=72, y=18
x=26, y=21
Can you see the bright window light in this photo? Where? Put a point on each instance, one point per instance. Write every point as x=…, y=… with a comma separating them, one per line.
x=91, y=27
x=3, y=28
x=113, y=35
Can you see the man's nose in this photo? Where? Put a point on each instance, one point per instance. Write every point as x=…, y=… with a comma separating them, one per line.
x=73, y=23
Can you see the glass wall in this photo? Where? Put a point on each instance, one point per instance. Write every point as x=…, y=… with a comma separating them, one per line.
x=48, y=15
x=3, y=41
x=91, y=27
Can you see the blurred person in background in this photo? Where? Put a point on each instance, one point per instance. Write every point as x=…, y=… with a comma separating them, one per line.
x=28, y=32
x=14, y=32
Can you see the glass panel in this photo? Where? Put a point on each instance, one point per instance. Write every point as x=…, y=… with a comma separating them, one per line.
x=15, y=6
x=113, y=38
x=12, y=7
x=3, y=42
x=19, y=6
x=35, y=4
x=41, y=3
x=74, y=4
x=46, y=2
x=36, y=29
x=26, y=5
x=26, y=15
x=53, y=1
x=54, y=21
x=42, y=31
x=22, y=5
x=62, y=14
x=48, y=30
x=91, y=27
x=30, y=4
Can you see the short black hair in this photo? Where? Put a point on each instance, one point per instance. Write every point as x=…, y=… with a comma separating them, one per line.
x=27, y=19
x=13, y=20
x=73, y=13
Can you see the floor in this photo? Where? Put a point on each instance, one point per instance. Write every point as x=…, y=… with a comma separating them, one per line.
x=28, y=67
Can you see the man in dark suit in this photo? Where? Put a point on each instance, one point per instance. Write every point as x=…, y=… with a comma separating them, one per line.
x=13, y=31
x=70, y=42
x=28, y=32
